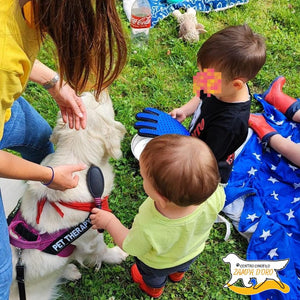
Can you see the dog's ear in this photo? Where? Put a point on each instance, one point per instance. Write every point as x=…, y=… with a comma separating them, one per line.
x=101, y=123
x=114, y=133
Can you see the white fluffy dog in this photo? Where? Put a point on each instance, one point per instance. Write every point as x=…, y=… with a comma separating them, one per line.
x=93, y=146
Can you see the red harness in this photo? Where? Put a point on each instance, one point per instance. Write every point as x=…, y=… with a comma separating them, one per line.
x=74, y=205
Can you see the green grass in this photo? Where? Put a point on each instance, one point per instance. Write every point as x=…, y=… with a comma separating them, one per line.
x=161, y=76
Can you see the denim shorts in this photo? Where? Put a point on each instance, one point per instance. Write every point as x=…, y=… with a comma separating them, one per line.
x=157, y=278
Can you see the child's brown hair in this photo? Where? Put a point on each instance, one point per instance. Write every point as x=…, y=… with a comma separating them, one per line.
x=181, y=168
x=235, y=51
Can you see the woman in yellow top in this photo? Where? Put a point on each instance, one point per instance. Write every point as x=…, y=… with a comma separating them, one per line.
x=90, y=44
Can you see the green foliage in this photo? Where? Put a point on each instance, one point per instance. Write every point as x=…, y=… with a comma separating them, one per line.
x=162, y=76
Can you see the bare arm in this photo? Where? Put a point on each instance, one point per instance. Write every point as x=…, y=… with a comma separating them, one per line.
x=186, y=110
x=286, y=147
x=108, y=221
x=72, y=109
x=15, y=167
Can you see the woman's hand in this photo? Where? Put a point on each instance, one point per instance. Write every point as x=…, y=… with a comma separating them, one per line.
x=63, y=177
x=71, y=106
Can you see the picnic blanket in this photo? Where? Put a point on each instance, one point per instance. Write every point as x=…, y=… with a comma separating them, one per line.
x=161, y=9
x=264, y=189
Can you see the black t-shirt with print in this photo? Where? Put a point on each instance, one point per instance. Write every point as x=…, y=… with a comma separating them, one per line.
x=223, y=127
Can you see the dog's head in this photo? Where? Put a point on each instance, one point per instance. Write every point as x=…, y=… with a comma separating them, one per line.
x=100, y=139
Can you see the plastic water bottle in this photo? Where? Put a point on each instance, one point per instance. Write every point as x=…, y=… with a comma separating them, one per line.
x=140, y=22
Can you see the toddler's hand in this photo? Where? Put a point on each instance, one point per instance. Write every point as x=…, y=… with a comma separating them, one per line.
x=100, y=219
x=178, y=114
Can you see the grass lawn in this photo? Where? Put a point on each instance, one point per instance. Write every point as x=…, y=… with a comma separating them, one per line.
x=161, y=76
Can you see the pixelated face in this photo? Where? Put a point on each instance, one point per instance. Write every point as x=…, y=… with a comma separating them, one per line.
x=209, y=81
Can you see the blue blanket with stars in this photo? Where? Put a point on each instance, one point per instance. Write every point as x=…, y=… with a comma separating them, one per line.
x=270, y=185
x=161, y=9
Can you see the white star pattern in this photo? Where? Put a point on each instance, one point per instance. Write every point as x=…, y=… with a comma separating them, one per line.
x=296, y=199
x=275, y=195
x=272, y=179
x=293, y=167
x=273, y=168
x=272, y=118
x=252, y=217
x=290, y=214
x=244, y=183
x=273, y=252
x=252, y=171
x=256, y=155
x=296, y=185
x=273, y=213
x=265, y=234
x=279, y=123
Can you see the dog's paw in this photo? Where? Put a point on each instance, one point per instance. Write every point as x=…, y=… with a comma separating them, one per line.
x=71, y=273
x=114, y=255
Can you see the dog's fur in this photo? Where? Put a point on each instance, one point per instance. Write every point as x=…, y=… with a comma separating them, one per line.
x=93, y=146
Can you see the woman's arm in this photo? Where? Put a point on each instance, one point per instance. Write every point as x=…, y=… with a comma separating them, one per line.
x=15, y=167
x=72, y=109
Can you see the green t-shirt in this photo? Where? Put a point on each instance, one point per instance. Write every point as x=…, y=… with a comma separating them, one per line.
x=161, y=243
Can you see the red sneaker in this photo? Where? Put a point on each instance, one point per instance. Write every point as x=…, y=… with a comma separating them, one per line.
x=137, y=278
x=176, y=277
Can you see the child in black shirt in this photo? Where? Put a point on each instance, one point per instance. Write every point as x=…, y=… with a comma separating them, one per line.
x=221, y=119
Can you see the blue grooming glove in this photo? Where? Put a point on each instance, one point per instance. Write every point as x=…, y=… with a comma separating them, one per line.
x=153, y=122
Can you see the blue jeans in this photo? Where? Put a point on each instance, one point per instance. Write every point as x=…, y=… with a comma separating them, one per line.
x=157, y=278
x=5, y=256
x=27, y=133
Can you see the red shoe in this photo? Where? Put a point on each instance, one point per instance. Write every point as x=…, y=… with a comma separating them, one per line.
x=176, y=277
x=276, y=97
x=137, y=278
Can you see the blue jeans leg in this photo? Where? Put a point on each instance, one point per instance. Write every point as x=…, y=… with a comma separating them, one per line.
x=27, y=132
x=5, y=256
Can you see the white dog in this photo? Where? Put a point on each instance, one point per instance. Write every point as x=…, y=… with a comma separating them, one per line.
x=93, y=146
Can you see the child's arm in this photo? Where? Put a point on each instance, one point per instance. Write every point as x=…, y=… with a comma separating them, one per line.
x=102, y=219
x=286, y=147
x=180, y=114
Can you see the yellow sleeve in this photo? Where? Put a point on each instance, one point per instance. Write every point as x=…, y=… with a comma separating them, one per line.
x=10, y=89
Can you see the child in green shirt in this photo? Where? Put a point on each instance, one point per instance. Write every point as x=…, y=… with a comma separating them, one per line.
x=181, y=178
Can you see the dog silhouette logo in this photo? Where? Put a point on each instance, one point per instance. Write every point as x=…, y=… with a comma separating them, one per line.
x=262, y=272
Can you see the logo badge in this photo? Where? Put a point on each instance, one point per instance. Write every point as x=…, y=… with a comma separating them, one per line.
x=256, y=275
